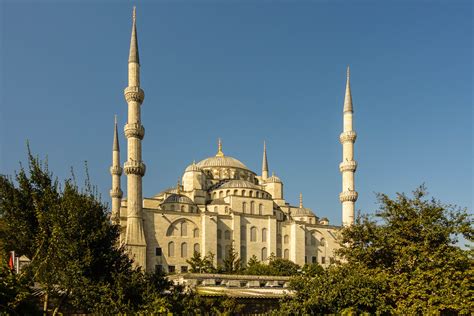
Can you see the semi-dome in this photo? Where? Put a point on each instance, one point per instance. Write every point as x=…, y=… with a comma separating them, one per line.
x=178, y=198
x=273, y=179
x=302, y=212
x=192, y=167
x=241, y=184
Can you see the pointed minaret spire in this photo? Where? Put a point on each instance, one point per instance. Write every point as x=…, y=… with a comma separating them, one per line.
x=264, y=162
x=219, y=148
x=348, y=166
x=301, y=200
x=135, y=242
x=116, y=172
x=348, y=97
x=134, y=56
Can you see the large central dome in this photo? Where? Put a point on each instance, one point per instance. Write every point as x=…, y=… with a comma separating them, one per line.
x=220, y=160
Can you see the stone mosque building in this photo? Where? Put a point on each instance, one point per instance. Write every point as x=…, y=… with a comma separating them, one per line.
x=220, y=202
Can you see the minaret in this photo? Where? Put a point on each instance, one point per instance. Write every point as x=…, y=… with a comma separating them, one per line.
x=134, y=167
x=264, y=162
x=116, y=171
x=348, y=166
x=301, y=200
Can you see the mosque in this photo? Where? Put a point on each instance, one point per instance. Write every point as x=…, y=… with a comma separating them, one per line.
x=220, y=203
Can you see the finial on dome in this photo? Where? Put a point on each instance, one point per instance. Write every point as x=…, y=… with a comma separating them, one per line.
x=301, y=200
x=219, y=149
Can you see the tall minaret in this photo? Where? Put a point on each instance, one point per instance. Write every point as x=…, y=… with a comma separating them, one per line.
x=301, y=200
x=116, y=171
x=264, y=162
x=134, y=167
x=348, y=166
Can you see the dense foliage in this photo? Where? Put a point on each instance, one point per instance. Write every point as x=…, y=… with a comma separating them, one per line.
x=76, y=265
x=407, y=262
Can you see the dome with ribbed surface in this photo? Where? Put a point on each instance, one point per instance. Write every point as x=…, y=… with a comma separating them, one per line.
x=241, y=184
x=221, y=161
x=178, y=198
x=192, y=167
x=302, y=212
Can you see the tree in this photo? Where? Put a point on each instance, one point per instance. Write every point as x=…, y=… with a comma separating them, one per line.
x=403, y=261
x=201, y=264
x=232, y=261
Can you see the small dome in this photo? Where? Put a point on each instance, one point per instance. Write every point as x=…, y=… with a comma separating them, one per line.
x=178, y=198
x=241, y=184
x=192, y=167
x=221, y=161
x=273, y=179
x=303, y=212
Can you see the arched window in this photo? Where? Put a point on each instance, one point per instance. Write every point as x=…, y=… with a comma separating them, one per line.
x=251, y=193
x=227, y=234
x=219, y=252
x=219, y=234
x=243, y=192
x=184, y=250
x=253, y=234
x=244, y=207
x=260, y=209
x=313, y=240
x=182, y=208
x=243, y=233
x=221, y=194
x=264, y=254
x=215, y=209
x=322, y=242
x=264, y=234
x=286, y=254
x=197, y=248
x=257, y=194
x=236, y=192
x=286, y=239
x=171, y=249
x=227, y=193
x=252, y=207
x=196, y=232
x=184, y=229
x=214, y=195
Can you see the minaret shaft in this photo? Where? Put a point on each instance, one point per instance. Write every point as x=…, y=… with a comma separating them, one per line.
x=134, y=167
x=116, y=172
x=264, y=162
x=348, y=166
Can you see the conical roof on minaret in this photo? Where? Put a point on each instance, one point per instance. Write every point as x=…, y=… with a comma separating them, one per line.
x=348, y=98
x=115, y=146
x=134, y=56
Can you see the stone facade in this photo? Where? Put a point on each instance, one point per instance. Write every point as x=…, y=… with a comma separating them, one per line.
x=219, y=204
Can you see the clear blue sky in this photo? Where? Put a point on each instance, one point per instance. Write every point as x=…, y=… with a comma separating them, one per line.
x=247, y=71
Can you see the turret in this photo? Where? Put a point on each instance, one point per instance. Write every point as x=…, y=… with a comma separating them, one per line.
x=134, y=167
x=264, y=163
x=348, y=166
x=116, y=171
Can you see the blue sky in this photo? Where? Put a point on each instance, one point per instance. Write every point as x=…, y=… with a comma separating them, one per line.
x=247, y=71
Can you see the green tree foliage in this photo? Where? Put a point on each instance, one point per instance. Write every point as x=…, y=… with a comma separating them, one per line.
x=405, y=261
x=275, y=266
x=200, y=264
x=232, y=261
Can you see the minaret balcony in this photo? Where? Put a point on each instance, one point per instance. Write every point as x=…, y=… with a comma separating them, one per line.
x=348, y=196
x=116, y=193
x=134, y=167
x=348, y=166
x=349, y=136
x=135, y=94
x=135, y=130
x=116, y=170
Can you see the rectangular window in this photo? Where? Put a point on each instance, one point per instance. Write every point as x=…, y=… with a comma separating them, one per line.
x=171, y=269
x=314, y=259
x=323, y=260
x=158, y=251
x=184, y=269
